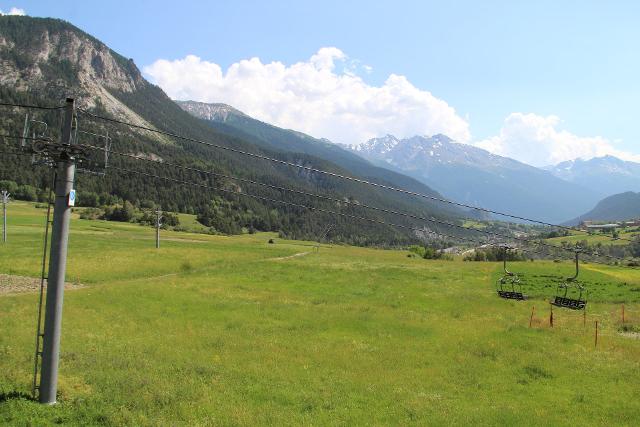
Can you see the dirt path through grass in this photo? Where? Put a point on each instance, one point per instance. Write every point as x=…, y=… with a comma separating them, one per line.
x=10, y=284
x=299, y=254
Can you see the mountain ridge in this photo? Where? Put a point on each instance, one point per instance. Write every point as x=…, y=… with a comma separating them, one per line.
x=471, y=175
x=606, y=174
x=264, y=134
x=618, y=207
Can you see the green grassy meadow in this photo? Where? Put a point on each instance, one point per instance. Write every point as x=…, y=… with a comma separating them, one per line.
x=214, y=330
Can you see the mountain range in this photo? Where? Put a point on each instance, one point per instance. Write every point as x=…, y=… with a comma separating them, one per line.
x=475, y=176
x=44, y=60
x=461, y=172
x=606, y=175
x=230, y=121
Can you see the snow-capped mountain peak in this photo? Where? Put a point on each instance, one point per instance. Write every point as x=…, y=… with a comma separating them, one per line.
x=379, y=146
x=420, y=151
x=607, y=174
x=472, y=175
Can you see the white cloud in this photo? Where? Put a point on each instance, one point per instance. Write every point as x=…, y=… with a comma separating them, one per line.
x=14, y=11
x=536, y=140
x=313, y=96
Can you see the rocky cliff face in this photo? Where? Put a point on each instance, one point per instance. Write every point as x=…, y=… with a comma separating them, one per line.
x=48, y=55
x=216, y=112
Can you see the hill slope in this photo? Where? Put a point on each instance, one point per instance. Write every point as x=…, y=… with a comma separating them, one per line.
x=471, y=175
x=233, y=122
x=619, y=207
x=44, y=60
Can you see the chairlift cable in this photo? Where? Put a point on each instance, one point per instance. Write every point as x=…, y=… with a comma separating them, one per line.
x=324, y=172
x=320, y=196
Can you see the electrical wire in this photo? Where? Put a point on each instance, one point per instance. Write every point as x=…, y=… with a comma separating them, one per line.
x=340, y=176
x=343, y=201
x=36, y=107
x=333, y=174
x=17, y=153
x=313, y=208
x=45, y=139
x=262, y=157
x=283, y=202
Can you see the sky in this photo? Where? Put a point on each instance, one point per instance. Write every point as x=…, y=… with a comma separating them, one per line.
x=539, y=81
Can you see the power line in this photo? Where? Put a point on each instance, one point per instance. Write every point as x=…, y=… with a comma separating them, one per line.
x=16, y=153
x=313, y=208
x=333, y=199
x=333, y=174
x=24, y=137
x=36, y=107
x=283, y=202
x=262, y=157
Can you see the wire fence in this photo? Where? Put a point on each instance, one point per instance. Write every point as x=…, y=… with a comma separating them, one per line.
x=602, y=325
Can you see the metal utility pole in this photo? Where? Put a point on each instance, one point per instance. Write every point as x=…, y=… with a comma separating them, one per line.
x=158, y=225
x=324, y=236
x=5, y=200
x=58, y=261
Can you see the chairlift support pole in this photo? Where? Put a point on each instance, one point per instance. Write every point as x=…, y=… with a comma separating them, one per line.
x=326, y=233
x=5, y=200
x=57, y=265
x=158, y=225
x=25, y=132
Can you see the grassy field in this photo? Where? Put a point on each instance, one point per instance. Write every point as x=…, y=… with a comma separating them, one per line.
x=212, y=330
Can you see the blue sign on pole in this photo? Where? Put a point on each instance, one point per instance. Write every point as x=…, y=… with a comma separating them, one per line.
x=72, y=198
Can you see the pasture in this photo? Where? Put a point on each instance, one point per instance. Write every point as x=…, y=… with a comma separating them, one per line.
x=215, y=330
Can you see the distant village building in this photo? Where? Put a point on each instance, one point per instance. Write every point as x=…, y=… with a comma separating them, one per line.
x=454, y=250
x=593, y=225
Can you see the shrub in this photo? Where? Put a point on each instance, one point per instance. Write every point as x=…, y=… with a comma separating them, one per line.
x=170, y=219
x=88, y=199
x=428, y=253
x=91, y=213
x=124, y=213
x=493, y=254
x=10, y=186
x=26, y=192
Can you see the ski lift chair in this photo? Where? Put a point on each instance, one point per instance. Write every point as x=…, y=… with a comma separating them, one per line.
x=563, y=298
x=508, y=286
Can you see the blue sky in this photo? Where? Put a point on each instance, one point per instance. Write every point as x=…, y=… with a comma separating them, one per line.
x=571, y=65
